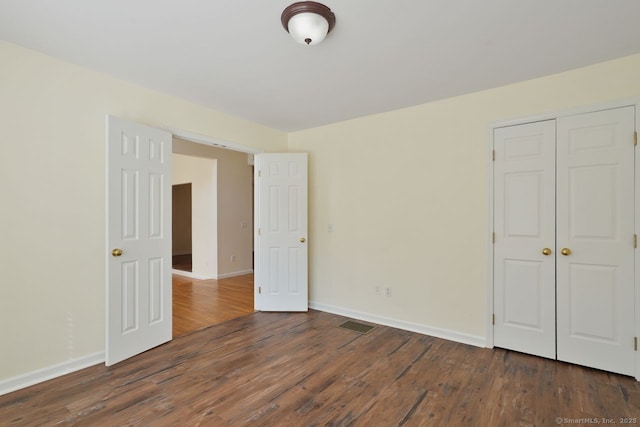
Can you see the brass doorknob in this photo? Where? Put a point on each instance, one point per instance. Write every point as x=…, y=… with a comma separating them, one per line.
x=116, y=252
x=546, y=251
x=565, y=251
x=302, y=240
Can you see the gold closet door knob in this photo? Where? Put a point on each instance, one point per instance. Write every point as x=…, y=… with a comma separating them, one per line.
x=565, y=251
x=116, y=252
x=546, y=251
x=302, y=240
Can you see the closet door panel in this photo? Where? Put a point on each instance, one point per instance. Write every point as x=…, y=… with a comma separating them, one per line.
x=595, y=229
x=524, y=286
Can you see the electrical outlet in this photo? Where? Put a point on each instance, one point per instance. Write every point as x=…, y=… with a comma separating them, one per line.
x=387, y=291
x=233, y=258
x=378, y=289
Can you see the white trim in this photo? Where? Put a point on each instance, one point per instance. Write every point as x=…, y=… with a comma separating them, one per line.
x=191, y=275
x=207, y=140
x=550, y=115
x=490, y=225
x=637, y=231
x=234, y=274
x=45, y=374
x=203, y=277
x=475, y=340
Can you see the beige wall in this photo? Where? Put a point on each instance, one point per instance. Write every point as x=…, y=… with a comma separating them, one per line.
x=406, y=192
x=234, y=207
x=52, y=170
x=202, y=174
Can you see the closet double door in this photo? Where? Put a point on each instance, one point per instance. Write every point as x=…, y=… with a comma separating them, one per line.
x=564, y=239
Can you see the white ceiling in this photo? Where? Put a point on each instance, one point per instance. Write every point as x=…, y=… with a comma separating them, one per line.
x=234, y=55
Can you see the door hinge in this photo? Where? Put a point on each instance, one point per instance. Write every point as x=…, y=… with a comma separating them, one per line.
x=493, y=237
x=635, y=137
x=635, y=343
x=259, y=231
x=493, y=155
x=493, y=319
x=259, y=172
x=260, y=290
x=635, y=241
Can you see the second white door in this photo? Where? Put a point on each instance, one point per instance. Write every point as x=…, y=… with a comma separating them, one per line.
x=281, y=232
x=595, y=238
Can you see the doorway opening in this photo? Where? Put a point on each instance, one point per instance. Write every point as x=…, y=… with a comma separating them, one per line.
x=215, y=192
x=181, y=244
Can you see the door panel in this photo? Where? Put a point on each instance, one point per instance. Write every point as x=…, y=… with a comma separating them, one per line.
x=139, y=203
x=595, y=220
x=594, y=186
x=523, y=298
x=523, y=200
x=524, y=287
x=281, y=224
x=130, y=291
x=593, y=288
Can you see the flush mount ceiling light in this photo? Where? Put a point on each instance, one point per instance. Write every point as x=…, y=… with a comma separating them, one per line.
x=308, y=22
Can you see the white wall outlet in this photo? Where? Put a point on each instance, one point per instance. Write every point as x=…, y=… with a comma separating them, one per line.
x=387, y=291
x=378, y=289
x=233, y=258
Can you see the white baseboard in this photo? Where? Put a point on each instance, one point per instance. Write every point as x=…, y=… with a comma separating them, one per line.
x=191, y=275
x=41, y=375
x=203, y=277
x=475, y=340
x=45, y=374
x=234, y=274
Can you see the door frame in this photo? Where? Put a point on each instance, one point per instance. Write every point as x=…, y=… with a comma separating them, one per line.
x=226, y=145
x=490, y=200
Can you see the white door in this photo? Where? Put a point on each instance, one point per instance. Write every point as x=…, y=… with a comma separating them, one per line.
x=280, y=274
x=524, y=263
x=595, y=264
x=138, y=239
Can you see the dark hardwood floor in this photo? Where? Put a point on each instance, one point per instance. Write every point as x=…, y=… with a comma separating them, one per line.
x=285, y=369
x=201, y=303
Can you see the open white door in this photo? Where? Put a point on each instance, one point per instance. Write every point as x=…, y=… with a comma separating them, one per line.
x=280, y=273
x=138, y=239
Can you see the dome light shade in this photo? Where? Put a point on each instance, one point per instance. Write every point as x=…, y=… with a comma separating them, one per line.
x=308, y=28
x=308, y=22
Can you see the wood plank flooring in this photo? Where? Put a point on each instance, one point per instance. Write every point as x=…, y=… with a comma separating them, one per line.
x=201, y=303
x=300, y=369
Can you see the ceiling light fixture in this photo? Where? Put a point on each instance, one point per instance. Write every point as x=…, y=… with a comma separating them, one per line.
x=308, y=22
